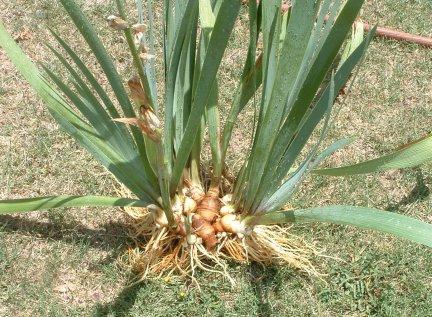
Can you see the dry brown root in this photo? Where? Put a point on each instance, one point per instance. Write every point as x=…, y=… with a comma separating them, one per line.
x=195, y=192
x=218, y=226
x=272, y=245
x=209, y=207
x=205, y=231
x=163, y=252
x=160, y=251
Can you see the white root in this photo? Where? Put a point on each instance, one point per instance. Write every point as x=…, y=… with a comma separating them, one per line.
x=226, y=200
x=192, y=239
x=232, y=225
x=189, y=206
x=227, y=209
x=159, y=216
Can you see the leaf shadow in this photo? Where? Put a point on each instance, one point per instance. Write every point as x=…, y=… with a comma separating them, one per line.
x=420, y=192
x=111, y=236
x=264, y=281
x=122, y=304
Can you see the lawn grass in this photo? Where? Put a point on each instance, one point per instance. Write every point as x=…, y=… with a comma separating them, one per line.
x=66, y=262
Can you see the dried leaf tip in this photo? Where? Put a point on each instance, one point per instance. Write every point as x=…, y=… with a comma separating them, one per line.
x=117, y=23
x=138, y=32
x=137, y=92
x=138, y=28
x=149, y=129
x=150, y=118
x=144, y=54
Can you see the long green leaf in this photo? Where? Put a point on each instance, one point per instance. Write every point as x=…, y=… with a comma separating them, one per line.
x=92, y=111
x=362, y=217
x=299, y=29
x=410, y=155
x=116, y=157
x=43, y=203
x=270, y=27
x=218, y=42
x=284, y=193
x=102, y=122
x=280, y=196
x=87, y=136
x=250, y=80
x=208, y=19
x=88, y=32
x=88, y=75
x=279, y=162
x=174, y=48
x=184, y=84
x=124, y=170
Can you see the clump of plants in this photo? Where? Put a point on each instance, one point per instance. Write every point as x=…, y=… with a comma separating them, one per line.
x=188, y=216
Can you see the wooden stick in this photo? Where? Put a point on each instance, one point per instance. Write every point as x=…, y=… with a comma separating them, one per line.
x=400, y=35
x=387, y=32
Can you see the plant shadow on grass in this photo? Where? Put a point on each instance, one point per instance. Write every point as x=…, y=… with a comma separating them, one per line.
x=122, y=304
x=418, y=193
x=263, y=281
x=112, y=236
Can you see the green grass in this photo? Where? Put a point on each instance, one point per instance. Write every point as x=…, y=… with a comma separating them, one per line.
x=65, y=262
